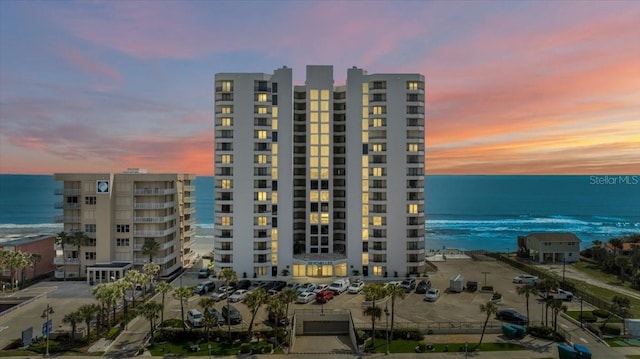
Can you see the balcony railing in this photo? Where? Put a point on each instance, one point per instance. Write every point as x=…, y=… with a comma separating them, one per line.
x=66, y=219
x=189, y=188
x=61, y=261
x=67, y=191
x=154, y=205
x=154, y=219
x=166, y=232
x=60, y=205
x=154, y=191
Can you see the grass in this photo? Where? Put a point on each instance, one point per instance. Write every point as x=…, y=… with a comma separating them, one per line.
x=619, y=342
x=408, y=346
x=593, y=271
x=575, y=314
x=182, y=349
x=17, y=352
x=607, y=294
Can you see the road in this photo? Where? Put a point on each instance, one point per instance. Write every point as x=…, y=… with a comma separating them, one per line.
x=572, y=273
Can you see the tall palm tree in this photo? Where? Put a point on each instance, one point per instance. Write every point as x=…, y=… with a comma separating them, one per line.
x=394, y=291
x=548, y=285
x=79, y=239
x=527, y=290
x=209, y=321
x=229, y=275
x=119, y=292
x=151, y=270
x=34, y=259
x=490, y=309
x=150, y=311
x=72, y=319
x=182, y=294
x=150, y=247
x=253, y=301
x=276, y=306
x=288, y=295
x=88, y=312
x=133, y=278
x=163, y=288
x=62, y=239
x=101, y=293
x=557, y=306
x=373, y=293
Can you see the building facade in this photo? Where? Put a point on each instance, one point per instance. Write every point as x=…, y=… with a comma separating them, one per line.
x=551, y=247
x=119, y=212
x=319, y=180
x=40, y=251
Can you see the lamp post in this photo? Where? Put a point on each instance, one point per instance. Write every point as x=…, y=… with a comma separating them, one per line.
x=209, y=346
x=45, y=314
x=581, y=320
x=386, y=312
x=466, y=351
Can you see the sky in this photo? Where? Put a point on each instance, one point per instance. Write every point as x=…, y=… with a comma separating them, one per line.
x=512, y=87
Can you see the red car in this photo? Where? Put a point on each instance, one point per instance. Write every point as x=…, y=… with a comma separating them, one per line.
x=324, y=296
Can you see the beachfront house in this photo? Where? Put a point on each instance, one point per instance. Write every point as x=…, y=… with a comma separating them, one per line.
x=551, y=247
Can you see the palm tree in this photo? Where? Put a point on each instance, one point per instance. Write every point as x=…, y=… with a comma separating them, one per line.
x=622, y=262
x=79, y=239
x=150, y=311
x=72, y=319
x=63, y=239
x=119, y=292
x=276, y=306
x=548, y=285
x=34, y=259
x=151, y=270
x=182, y=294
x=253, y=301
x=150, y=247
x=288, y=295
x=556, y=307
x=209, y=321
x=164, y=288
x=229, y=275
x=88, y=312
x=373, y=293
x=394, y=291
x=490, y=309
x=617, y=244
x=619, y=305
x=101, y=292
x=527, y=290
x=133, y=278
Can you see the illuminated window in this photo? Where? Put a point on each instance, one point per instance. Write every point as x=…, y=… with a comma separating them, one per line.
x=325, y=218
x=261, y=221
x=365, y=198
x=260, y=159
x=378, y=147
x=324, y=94
x=377, y=221
x=274, y=124
x=313, y=173
x=324, y=173
x=313, y=118
x=365, y=222
x=413, y=147
x=226, y=121
x=365, y=100
x=261, y=196
x=412, y=208
x=227, y=86
x=324, y=162
x=365, y=209
x=365, y=259
x=365, y=136
x=313, y=94
x=274, y=148
x=412, y=85
x=226, y=221
x=324, y=196
x=365, y=173
x=313, y=139
x=313, y=161
x=365, y=87
x=378, y=122
x=324, y=139
x=274, y=195
x=313, y=218
x=379, y=110
x=261, y=134
x=227, y=183
x=262, y=97
x=226, y=109
x=377, y=171
x=313, y=128
x=324, y=105
x=324, y=128
x=314, y=106
x=365, y=234
x=274, y=174
x=324, y=117
x=378, y=270
x=313, y=196
x=274, y=111
x=313, y=150
x=365, y=185
x=226, y=158
x=324, y=150
x=261, y=110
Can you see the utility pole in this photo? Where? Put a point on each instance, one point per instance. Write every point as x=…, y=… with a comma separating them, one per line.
x=485, y=278
x=386, y=312
x=47, y=325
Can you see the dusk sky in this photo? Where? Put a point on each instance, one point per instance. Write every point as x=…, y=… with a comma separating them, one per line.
x=512, y=87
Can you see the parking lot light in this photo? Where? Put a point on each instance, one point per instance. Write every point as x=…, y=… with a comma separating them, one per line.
x=386, y=312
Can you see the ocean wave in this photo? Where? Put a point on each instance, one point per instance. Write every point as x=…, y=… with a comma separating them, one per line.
x=36, y=225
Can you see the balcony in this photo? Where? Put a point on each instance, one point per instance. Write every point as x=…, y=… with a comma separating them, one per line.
x=153, y=191
x=67, y=191
x=66, y=219
x=154, y=219
x=189, y=232
x=156, y=260
x=189, y=210
x=189, y=188
x=60, y=205
x=153, y=205
x=61, y=261
x=189, y=199
x=166, y=232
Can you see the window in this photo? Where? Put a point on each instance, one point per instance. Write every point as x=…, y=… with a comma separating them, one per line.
x=226, y=158
x=260, y=159
x=379, y=110
x=91, y=200
x=261, y=97
x=90, y=228
x=226, y=183
x=122, y=228
x=378, y=171
x=412, y=85
x=226, y=221
x=378, y=122
x=412, y=208
x=226, y=109
x=261, y=196
x=261, y=109
x=261, y=134
x=90, y=255
x=226, y=86
x=122, y=242
x=91, y=242
x=413, y=147
x=261, y=221
x=226, y=121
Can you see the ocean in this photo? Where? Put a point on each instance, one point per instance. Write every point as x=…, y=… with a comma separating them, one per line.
x=464, y=212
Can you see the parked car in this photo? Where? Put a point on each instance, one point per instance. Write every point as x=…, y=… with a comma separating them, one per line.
x=204, y=273
x=222, y=293
x=204, y=287
x=512, y=316
x=355, y=287
x=243, y=284
x=432, y=295
x=408, y=284
x=526, y=279
x=257, y=285
x=218, y=317
x=472, y=286
x=231, y=314
x=238, y=295
x=294, y=286
x=339, y=285
x=194, y=317
x=306, y=287
x=306, y=297
x=557, y=294
x=279, y=285
x=324, y=296
x=423, y=286
x=320, y=287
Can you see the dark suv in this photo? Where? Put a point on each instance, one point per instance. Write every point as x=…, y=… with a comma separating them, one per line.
x=423, y=286
x=231, y=314
x=217, y=316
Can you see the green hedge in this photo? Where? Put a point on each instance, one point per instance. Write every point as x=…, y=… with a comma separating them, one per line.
x=601, y=313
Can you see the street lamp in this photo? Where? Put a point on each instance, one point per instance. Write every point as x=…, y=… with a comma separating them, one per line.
x=386, y=312
x=466, y=351
x=45, y=314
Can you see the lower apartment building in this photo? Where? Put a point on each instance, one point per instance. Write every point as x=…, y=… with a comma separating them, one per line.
x=319, y=180
x=118, y=213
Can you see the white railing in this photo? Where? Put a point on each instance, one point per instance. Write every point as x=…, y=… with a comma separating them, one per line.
x=154, y=205
x=61, y=261
x=154, y=219
x=67, y=191
x=154, y=233
x=154, y=191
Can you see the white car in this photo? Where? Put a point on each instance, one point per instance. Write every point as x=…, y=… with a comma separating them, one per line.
x=222, y=293
x=306, y=297
x=238, y=295
x=320, y=287
x=306, y=287
x=355, y=287
x=432, y=295
x=525, y=279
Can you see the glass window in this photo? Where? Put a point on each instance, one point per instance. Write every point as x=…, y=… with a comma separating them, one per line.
x=412, y=85
x=226, y=121
x=412, y=208
x=226, y=158
x=324, y=117
x=324, y=105
x=313, y=94
x=226, y=221
x=324, y=94
x=226, y=109
x=314, y=106
x=227, y=183
x=262, y=97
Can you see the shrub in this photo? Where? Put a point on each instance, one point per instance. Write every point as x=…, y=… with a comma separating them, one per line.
x=422, y=346
x=588, y=317
x=610, y=330
x=113, y=333
x=487, y=288
x=245, y=348
x=541, y=332
x=594, y=329
x=409, y=334
x=267, y=348
x=601, y=313
x=496, y=296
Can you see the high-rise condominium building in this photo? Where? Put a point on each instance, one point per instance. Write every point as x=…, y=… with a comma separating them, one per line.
x=319, y=180
x=129, y=219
